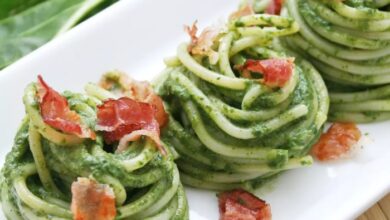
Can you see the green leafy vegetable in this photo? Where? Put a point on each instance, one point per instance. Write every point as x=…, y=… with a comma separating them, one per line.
x=28, y=24
x=12, y=7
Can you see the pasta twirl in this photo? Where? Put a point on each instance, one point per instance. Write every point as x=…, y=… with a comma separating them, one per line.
x=349, y=42
x=44, y=161
x=231, y=129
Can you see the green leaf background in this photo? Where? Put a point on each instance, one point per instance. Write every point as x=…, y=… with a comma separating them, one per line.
x=26, y=25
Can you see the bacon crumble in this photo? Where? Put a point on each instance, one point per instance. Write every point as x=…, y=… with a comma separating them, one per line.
x=55, y=111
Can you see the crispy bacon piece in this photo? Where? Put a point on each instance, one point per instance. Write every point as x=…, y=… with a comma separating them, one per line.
x=55, y=112
x=192, y=31
x=242, y=205
x=138, y=90
x=276, y=72
x=92, y=201
x=135, y=135
x=274, y=7
x=126, y=120
x=244, y=11
x=160, y=114
x=336, y=142
x=203, y=44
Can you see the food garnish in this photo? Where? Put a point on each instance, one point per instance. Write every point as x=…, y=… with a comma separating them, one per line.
x=92, y=201
x=203, y=44
x=239, y=204
x=274, y=7
x=247, y=9
x=128, y=119
x=275, y=72
x=337, y=142
x=55, y=111
x=140, y=91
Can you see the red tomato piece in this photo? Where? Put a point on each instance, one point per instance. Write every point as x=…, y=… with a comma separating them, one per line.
x=242, y=205
x=276, y=72
x=121, y=117
x=92, y=201
x=55, y=112
x=274, y=7
x=337, y=141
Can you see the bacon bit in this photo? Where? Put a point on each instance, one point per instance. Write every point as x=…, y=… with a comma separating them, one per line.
x=92, y=201
x=243, y=11
x=242, y=205
x=55, y=112
x=160, y=114
x=136, y=135
x=191, y=31
x=138, y=90
x=336, y=142
x=126, y=120
x=276, y=72
x=203, y=44
x=274, y=7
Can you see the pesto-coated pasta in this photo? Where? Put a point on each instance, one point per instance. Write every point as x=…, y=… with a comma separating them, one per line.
x=349, y=43
x=44, y=161
x=231, y=131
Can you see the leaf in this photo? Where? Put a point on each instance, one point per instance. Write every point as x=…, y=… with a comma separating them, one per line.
x=85, y=8
x=30, y=29
x=12, y=7
x=13, y=48
x=33, y=17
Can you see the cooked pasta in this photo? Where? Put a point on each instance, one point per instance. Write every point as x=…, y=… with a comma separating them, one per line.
x=44, y=161
x=349, y=43
x=234, y=131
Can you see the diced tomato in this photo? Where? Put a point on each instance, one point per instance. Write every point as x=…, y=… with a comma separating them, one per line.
x=120, y=118
x=336, y=142
x=92, y=201
x=242, y=205
x=244, y=11
x=276, y=72
x=55, y=112
x=274, y=7
x=138, y=90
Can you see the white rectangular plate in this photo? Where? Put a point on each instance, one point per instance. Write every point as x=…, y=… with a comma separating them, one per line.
x=134, y=36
